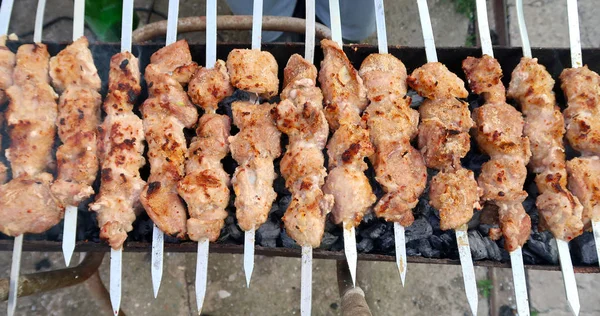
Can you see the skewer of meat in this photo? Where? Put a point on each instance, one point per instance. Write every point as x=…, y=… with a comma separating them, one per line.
x=165, y=114
x=300, y=116
x=392, y=124
x=7, y=65
x=345, y=98
x=120, y=151
x=444, y=140
x=257, y=144
x=75, y=77
x=205, y=187
x=499, y=134
x=27, y=204
x=531, y=85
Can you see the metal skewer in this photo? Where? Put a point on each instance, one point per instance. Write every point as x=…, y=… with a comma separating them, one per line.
x=116, y=256
x=70, y=221
x=399, y=237
x=249, y=235
x=306, y=270
x=462, y=237
x=158, y=237
x=349, y=234
x=516, y=256
x=203, y=249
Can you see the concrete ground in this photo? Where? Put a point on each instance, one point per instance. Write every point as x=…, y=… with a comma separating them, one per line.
x=430, y=290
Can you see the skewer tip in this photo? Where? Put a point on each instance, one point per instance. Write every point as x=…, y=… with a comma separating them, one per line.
x=468, y=271
x=350, y=250
x=116, y=259
x=570, y=283
x=306, y=282
x=157, y=258
x=14, y=275
x=249, y=255
x=400, y=251
x=520, y=282
x=201, y=273
x=70, y=227
x=596, y=231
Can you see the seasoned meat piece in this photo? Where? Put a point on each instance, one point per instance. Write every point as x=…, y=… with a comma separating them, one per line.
x=434, y=81
x=209, y=86
x=7, y=64
x=28, y=206
x=254, y=148
x=343, y=90
x=582, y=116
x=300, y=115
x=74, y=66
x=205, y=187
x=392, y=123
x=584, y=182
x=254, y=71
x=32, y=65
x=384, y=76
x=455, y=194
x=499, y=133
x=123, y=77
x=531, y=85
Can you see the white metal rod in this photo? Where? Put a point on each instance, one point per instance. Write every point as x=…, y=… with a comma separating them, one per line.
x=466, y=262
x=309, y=46
x=14, y=275
x=518, y=271
x=574, y=36
x=350, y=250
x=400, y=242
x=172, y=20
x=39, y=21
x=381, y=31
x=306, y=281
x=257, y=13
x=427, y=31
x=484, y=28
x=78, y=19
x=127, y=25
x=5, y=12
x=116, y=260
x=69, y=230
x=523, y=30
x=249, y=254
x=157, y=258
x=201, y=273
x=211, y=33
x=568, y=276
x=336, y=23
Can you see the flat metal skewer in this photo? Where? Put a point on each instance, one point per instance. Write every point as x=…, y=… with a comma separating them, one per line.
x=516, y=256
x=349, y=234
x=399, y=238
x=203, y=245
x=116, y=256
x=257, y=13
x=158, y=237
x=306, y=270
x=15, y=268
x=70, y=221
x=462, y=237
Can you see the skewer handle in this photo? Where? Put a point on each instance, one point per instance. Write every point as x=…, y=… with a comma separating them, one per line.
x=39, y=21
x=5, y=12
x=350, y=250
x=116, y=260
x=70, y=227
x=381, y=31
x=127, y=25
x=309, y=45
x=78, y=19
x=14, y=275
x=257, y=13
x=427, y=31
x=574, y=36
x=523, y=30
x=172, y=21
x=211, y=33
x=336, y=23
x=306, y=282
x=484, y=28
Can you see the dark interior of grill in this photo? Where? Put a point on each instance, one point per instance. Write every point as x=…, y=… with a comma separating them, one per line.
x=374, y=236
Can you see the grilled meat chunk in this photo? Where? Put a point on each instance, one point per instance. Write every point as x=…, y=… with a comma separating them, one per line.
x=253, y=71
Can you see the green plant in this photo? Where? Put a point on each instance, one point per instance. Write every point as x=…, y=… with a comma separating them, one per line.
x=466, y=7
x=534, y=312
x=485, y=287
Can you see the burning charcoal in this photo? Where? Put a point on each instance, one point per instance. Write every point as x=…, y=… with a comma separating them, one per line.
x=474, y=160
x=529, y=257
x=484, y=229
x=276, y=211
x=330, y=226
x=269, y=243
x=365, y=245
x=369, y=218
x=584, y=249
x=171, y=239
x=539, y=245
x=143, y=229
x=529, y=204
x=436, y=242
x=279, y=186
x=374, y=231
x=267, y=233
x=288, y=242
x=234, y=232
x=54, y=233
x=284, y=202
x=412, y=251
x=423, y=207
x=418, y=230
x=434, y=221
x=338, y=245
x=478, y=245
x=493, y=251
x=474, y=222
x=385, y=242
x=426, y=250
x=416, y=99
x=328, y=241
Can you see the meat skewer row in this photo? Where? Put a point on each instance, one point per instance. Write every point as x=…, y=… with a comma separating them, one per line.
x=27, y=204
x=392, y=124
x=166, y=113
x=205, y=187
x=120, y=150
x=300, y=116
x=582, y=118
x=444, y=140
x=499, y=133
x=531, y=86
